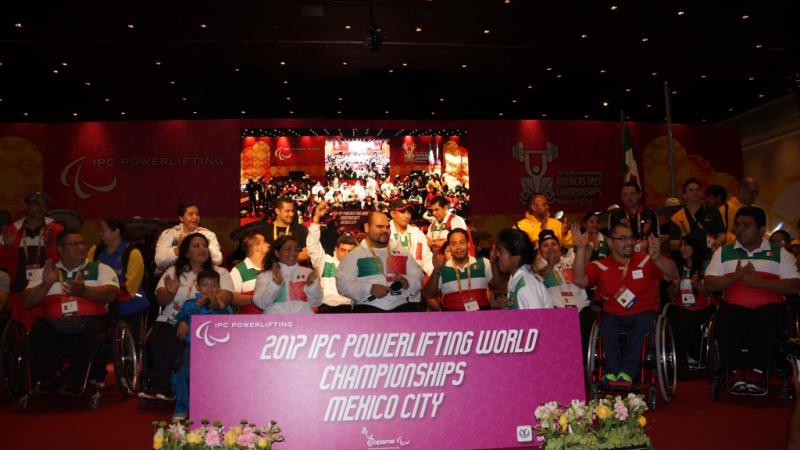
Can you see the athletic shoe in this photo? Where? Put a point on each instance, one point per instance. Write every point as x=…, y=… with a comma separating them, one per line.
x=609, y=378
x=758, y=384
x=738, y=384
x=623, y=380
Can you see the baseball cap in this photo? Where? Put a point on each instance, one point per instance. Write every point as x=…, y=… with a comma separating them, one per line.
x=30, y=197
x=399, y=204
x=547, y=234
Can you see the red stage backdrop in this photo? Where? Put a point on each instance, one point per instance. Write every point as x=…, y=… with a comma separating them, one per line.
x=146, y=168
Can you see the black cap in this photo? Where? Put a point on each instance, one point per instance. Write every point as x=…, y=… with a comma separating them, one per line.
x=398, y=205
x=547, y=234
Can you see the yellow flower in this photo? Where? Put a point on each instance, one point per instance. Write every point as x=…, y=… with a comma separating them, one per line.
x=194, y=438
x=237, y=430
x=642, y=421
x=563, y=422
x=158, y=441
x=602, y=412
x=262, y=442
x=230, y=438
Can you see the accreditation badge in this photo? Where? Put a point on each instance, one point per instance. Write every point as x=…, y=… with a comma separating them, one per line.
x=471, y=305
x=69, y=305
x=30, y=269
x=625, y=297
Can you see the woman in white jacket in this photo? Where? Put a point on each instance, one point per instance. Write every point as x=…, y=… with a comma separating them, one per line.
x=285, y=287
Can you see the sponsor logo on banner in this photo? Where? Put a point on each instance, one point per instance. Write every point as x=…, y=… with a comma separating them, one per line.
x=210, y=341
x=524, y=433
x=79, y=186
x=535, y=162
x=383, y=444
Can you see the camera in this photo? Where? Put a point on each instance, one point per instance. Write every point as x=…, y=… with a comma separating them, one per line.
x=396, y=287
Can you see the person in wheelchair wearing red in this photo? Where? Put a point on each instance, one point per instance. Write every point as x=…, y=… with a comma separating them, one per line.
x=628, y=285
x=75, y=294
x=754, y=277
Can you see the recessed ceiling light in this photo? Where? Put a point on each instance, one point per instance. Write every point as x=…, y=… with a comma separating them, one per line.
x=614, y=7
x=680, y=13
x=549, y=69
x=628, y=90
x=202, y=25
x=558, y=76
x=605, y=104
x=655, y=74
x=645, y=39
x=194, y=112
x=87, y=83
x=236, y=69
x=338, y=112
x=405, y=64
x=391, y=70
x=441, y=99
x=759, y=45
x=106, y=99
x=602, y=70
x=530, y=86
x=418, y=29
x=703, y=77
x=344, y=63
x=122, y=113
x=584, y=36
x=730, y=109
x=751, y=78
x=285, y=82
x=158, y=63
x=500, y=114
x=25, y=114
x=648, y=105
x=585, y=116
x=64, y=64
x=339, y=98
x=513, y=100
x=544, y=114
x=760, y=95
x=745, y=17
x=291, y=112
x=487, y=31
x=243, y=112
x=18, y=25
x=433, y=113
x=386, y=112
x=675, y=92
x=463, y=66
x=130, y=26
x=283, y=63
x=172, y=83
x=288, y=99
x=507, y=2
x=184, y=99
x=74, y=114
x=55, y=71
x=347, y=27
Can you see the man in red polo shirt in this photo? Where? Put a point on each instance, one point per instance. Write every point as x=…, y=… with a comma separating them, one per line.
x=754, y=276
x=627, y=283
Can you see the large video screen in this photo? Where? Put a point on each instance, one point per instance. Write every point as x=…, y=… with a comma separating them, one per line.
x=356, y=159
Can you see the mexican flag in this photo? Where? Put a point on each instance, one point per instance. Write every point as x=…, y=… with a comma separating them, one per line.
x=629, y=166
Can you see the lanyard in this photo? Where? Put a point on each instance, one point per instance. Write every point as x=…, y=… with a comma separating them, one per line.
x=375, y=257
x=458, y=276
x=275, y=231
x=625, y=269
x=39, y=245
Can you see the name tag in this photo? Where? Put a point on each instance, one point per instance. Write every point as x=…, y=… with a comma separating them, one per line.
x=30, y=269
x=69, y=306
x=626, y=298
x=472, y=306
x=637, y=274
x=687, y=294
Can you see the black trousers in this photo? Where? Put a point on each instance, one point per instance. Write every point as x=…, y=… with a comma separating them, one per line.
x=163, y=349
x=405, y=307
x=49, y=348
x=763, y=324
x=686, y=329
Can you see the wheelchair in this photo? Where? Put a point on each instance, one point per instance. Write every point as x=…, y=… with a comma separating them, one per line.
x=14, y=354
x=718, y=370
x=658, y=370
x=119, y=348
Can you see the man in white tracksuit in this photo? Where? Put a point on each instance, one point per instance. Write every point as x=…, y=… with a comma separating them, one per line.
x=379, y=278
x=326, y=265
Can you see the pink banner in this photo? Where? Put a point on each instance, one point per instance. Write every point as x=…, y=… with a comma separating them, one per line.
x=387, y=381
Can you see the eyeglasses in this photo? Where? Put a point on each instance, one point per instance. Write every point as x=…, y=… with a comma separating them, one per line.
x=623, y=238
x=72, y=244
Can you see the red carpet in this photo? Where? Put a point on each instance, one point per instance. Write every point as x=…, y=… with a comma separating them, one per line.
x=691, y=421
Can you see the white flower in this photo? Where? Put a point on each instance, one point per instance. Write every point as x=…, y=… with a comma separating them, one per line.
x=636, y=403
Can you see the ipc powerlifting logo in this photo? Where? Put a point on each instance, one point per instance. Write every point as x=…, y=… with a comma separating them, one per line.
x=79, y=186
x=210, y=341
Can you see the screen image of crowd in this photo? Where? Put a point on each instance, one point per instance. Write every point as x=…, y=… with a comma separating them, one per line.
x=708, y=253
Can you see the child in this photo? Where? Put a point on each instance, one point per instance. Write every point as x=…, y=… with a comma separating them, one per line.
x=208, y=301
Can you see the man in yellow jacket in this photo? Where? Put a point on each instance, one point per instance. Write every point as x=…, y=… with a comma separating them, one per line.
x=537, y=218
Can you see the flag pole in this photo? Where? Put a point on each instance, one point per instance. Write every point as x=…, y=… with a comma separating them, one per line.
x=670, y=155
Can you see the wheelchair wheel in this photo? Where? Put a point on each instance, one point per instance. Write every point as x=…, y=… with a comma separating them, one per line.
x=592, y=353
x=125, y=357
x=14, y=358
x=650, y=397
x=713, y=363
x=666, y=358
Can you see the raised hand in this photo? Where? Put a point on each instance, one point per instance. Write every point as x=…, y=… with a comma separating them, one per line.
x=171, y=284
x=311, y=278
x=277, y=276
x=653, y=247
x=578, y=238
x=49, y=273
x=320, y=210
x=438, y=261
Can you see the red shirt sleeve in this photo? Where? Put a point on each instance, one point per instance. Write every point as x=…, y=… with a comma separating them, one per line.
x=593, y=274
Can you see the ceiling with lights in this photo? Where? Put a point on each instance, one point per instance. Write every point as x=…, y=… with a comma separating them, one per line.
x=423, y=59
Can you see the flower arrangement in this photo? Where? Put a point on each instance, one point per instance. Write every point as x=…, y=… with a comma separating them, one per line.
x=607, y=423
x=181, y=436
